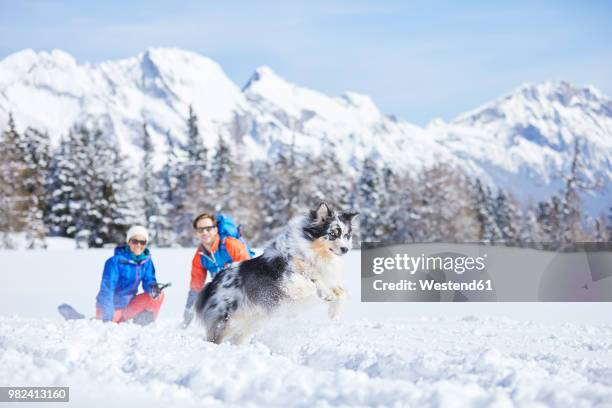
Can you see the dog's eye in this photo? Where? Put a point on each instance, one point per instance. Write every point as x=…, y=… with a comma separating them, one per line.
x=347, y=236
x=333, y=235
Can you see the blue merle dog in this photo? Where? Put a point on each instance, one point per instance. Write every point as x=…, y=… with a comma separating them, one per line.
x=303, y=262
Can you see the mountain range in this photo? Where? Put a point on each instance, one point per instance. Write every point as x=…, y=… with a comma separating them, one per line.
x=523, y=141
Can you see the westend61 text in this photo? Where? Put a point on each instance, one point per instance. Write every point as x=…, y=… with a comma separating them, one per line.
x=475, y=285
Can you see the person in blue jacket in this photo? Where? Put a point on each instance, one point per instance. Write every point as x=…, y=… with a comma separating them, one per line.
x=130, y=266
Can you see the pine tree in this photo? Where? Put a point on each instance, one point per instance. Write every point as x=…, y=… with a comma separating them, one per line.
x=149, y=186
x=119, y=204
x=164, y=191
x=36, y=147
x=241, y=199
x=402, y=209
x=70, y=180
x=197, y=178
x=371, y=192
x=283, y=186
x=172, y=191
x=443, y=208
x=94, y=197
x=197, y=152
x=24, y=170
x=288, y=176
x=507, y=218
x=530, y=230
x=325, y=179
x=292, y=182
x=484, y=206
x=61, y=188
x=599, y=233
x=222, y=163
x=14, y=198
x=272, y=198
x=551, y=221
x=571, y=203
x=214, y=193
x=231, y=186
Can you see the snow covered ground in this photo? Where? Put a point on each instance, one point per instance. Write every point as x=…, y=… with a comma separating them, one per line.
x=383, y=354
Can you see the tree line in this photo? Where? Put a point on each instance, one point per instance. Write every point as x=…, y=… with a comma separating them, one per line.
x=84, y=188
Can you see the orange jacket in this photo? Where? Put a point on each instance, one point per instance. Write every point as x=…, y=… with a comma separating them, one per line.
x=236, y=249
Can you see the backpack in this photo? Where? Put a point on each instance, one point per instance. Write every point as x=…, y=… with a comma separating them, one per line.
x=227, y=228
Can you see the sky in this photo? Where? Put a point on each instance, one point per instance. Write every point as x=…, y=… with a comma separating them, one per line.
x=417, y=60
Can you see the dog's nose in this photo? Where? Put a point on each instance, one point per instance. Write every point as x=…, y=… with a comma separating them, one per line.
x=344, y=250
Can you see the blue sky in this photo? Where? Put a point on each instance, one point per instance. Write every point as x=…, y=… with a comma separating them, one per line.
x=418, y=60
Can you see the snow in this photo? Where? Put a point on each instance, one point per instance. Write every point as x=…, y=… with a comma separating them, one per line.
x=52, y=92
x=20, y=241
x=351, y=112
x=520, y=142
x=525, y=139
x=379, y=354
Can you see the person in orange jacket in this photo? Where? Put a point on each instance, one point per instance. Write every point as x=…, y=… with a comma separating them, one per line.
x=212, y=255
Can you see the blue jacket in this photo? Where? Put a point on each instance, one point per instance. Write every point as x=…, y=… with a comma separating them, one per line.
x=120, y=280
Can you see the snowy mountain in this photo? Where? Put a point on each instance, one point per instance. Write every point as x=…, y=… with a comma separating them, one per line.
x=522, y=141
x=528, y=136
x=51, y=91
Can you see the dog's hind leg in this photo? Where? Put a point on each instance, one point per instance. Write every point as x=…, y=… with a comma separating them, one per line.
x=216, y=331
x=219, y=317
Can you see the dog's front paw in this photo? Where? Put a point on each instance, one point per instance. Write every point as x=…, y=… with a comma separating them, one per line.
x=336, y=306
x=335, y=309
x=323, y=292
x=328, y=297
x=339, y=292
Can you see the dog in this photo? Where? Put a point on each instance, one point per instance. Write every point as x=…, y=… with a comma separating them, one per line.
x=302, y=263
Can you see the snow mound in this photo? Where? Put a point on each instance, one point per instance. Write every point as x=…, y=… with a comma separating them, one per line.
x=294, y=362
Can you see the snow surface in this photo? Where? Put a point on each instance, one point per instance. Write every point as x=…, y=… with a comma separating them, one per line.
x=382, y=354
x=20, y=241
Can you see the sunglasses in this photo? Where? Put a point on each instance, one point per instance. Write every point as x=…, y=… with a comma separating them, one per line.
x=138, y=242
x=201, y=230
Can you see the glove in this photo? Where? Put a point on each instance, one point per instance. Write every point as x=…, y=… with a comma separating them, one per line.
x=155, y=291
x=192, y=295
x=187, y=317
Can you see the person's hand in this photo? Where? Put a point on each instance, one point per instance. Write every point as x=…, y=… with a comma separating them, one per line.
x=187, y=317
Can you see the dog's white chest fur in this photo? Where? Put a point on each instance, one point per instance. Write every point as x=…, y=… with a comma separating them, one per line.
x=310, y=275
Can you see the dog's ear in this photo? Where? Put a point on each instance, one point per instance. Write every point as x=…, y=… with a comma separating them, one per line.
x=349, y=217
x=322, y=213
